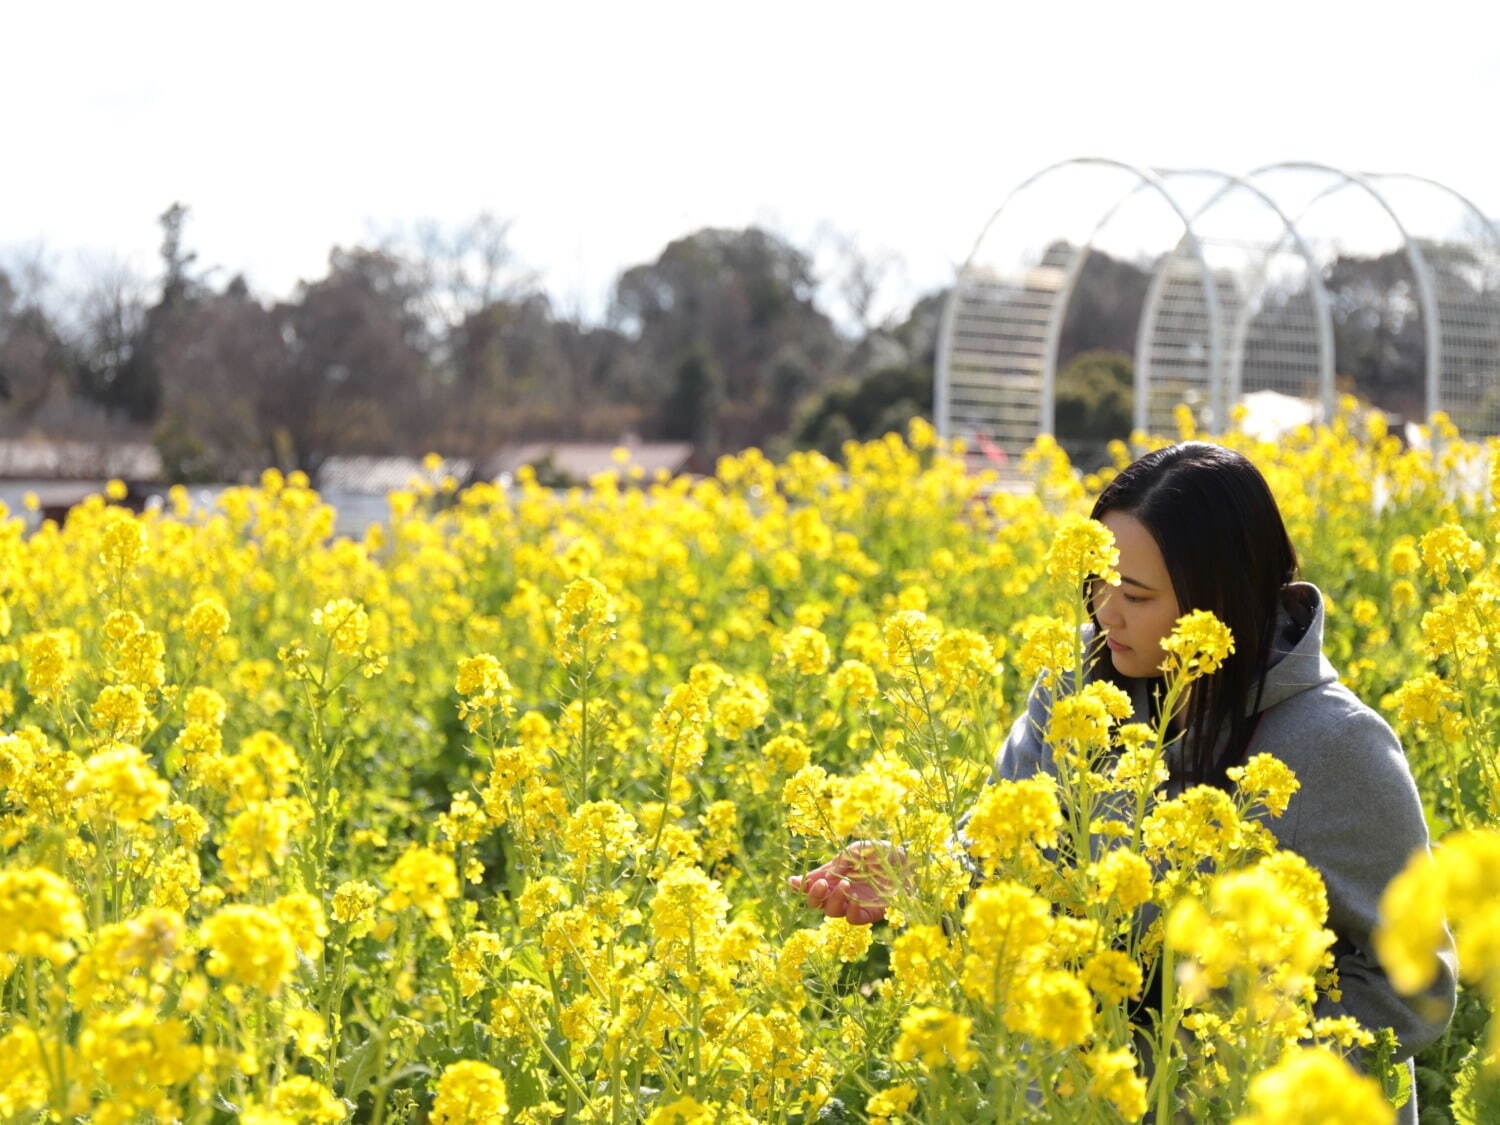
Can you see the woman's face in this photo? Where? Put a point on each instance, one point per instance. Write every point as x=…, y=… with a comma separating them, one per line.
x=1140, y=612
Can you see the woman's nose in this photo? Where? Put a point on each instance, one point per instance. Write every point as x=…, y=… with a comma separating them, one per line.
x=1104, y=611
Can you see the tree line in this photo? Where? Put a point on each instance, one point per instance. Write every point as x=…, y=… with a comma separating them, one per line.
x=439, y=339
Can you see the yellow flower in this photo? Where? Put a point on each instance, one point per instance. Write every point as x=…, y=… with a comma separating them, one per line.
x=921, y=961
x=346, y=623
x=1197, y=646
x=49, y=660
x=24, y=1084
x=120, y=712
x=688, y=1110
x=1121, y=876
x=1011, y=815
x=1053, y=1005
x=583, y=621
x=257, y=843
x=307, y=1102
x=485, y=687
x=742, y=707
x=1266, y=779
x=1200, y=821
x=677, y=738
x=353, y=901
x=40, y=916
x=1087, y=717
x=1425, y=699
x=1048, y=650
x=1113, y=1078
x=302, y=914
x=1314, y=1086
x=470, y=957
x=1082, y=547
x=127, y=956
x=137, y=1054
x=250, y=945
x=119, y=783
x=1112, y=976
x=1449, y=545
x=689, y=906
x=893, y=1101
x=1010, y=929
x=1454, y=884
x=141, y=660
x=208, y=620
x=856, y=680
x=122, y=544
x=909, y=635
x=470, y=1093
x=806, y=650
x=937, y=1037
x=964, y=660
x=598, y=830
x=424, y=879
x=1258, y=921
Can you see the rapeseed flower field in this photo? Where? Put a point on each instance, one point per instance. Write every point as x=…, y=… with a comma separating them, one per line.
x=487, y=816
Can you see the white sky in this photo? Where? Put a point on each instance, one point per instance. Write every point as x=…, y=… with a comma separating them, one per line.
x=606, y=129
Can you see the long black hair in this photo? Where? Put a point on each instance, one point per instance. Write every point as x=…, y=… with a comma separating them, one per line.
x=1227, y=551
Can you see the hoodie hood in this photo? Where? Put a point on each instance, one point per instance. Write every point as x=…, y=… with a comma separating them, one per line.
x=1297, y=662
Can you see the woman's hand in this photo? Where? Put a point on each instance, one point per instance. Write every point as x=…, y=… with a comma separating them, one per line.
x=855, y=884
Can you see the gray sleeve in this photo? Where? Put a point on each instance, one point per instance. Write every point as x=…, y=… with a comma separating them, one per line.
x=1023, y=754
x=1358, y=820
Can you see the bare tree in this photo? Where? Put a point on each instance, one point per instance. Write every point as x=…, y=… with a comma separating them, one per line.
x=33, y=358
x=859, y=278
x=109, y=318
x=456, y=271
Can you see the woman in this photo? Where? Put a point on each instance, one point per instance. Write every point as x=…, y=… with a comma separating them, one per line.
x=1198, y=528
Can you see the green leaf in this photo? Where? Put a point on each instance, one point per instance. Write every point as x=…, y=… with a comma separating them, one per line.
x=1476, y=1091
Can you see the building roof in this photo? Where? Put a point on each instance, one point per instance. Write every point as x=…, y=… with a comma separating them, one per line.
x=583, y=459
x=379, y=475
x=45, y=459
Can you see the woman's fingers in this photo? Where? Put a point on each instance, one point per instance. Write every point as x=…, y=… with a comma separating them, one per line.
x=845, y=887
x=818, y=888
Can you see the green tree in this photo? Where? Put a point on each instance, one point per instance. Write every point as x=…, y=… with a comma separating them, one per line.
x=1092, y=405
x=745, y=297
x=690, y=411
x=862, y=409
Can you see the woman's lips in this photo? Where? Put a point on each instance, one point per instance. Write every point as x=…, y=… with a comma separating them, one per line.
x=1116, y=645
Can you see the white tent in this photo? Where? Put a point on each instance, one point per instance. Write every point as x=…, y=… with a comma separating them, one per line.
x=1269, y=414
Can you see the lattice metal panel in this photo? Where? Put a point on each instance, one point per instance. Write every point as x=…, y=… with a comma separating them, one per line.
x=1274, y=331
x=997, y=351
x=1240, y=297
x=1468, y=309
x=1180, y=352
x=1282, y=343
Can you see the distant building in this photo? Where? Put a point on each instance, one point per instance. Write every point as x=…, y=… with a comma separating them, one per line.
x=375, y=476
x=44, y=459
x=581, y=460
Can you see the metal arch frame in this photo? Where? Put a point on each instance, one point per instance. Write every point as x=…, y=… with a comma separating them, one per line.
x=1145, y=177
x=1431, y=324
x=1485, y=222
x=1322, y=308
x=1432, y=305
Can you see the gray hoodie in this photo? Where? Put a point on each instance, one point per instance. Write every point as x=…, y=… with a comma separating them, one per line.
x=1357, y=817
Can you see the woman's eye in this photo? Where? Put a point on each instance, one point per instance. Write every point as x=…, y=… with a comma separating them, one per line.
x=1128, y=598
